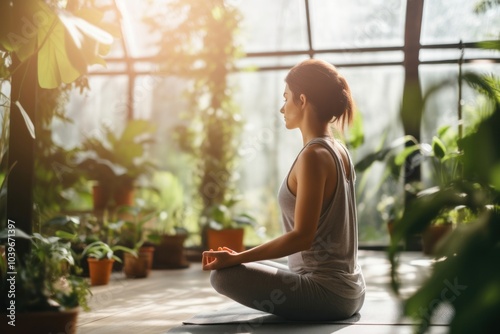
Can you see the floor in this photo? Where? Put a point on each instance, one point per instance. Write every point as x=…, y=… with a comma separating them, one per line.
x=167, y=297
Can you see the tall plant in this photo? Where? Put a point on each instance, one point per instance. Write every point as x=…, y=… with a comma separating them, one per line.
x=464, y=277
x=199, y=43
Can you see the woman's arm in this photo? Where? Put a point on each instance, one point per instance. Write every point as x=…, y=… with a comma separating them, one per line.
x=308, y=179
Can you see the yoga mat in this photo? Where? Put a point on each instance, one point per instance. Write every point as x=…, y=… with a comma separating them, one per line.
x=303, y=329
x=374, y=312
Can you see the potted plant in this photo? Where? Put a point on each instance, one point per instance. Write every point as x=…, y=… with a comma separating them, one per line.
x=139, y=263
x=225, y=226
x=443, y=158
x=167, y=232
x=446, y=167
x=438, y=228
x=116, y=162
x=47, y=291
x=84, y=229
x=100, y=258
x=442, y=225
x=168, y=238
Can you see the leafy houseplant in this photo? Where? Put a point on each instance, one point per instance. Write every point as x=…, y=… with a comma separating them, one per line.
x=225, y=226
x=445, y=159
x=469, y=253
x=132, y=234
x=116, y=162
x=100, y=257
x=167, y=237
x=167, y=232
x=46, y=287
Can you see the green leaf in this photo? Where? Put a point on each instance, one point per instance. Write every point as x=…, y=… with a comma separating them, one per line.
x=438, y=148
x=403, y=155
x=54, y=64
x=66, y=44
x=356, y=132
x=27, y=120
x=85, y=37
x=66, y=235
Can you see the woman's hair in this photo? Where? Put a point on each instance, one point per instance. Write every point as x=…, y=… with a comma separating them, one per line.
x=325, y=88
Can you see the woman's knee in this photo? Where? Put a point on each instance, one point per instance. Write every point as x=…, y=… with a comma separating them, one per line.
x=221, y=280
x=215, y=280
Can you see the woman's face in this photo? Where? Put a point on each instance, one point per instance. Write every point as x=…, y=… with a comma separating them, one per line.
x=292, y=113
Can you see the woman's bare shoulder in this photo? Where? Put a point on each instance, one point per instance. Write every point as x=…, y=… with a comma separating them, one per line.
x=316, y=156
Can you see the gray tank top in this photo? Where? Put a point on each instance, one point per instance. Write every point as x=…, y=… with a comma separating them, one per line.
x=332, y=259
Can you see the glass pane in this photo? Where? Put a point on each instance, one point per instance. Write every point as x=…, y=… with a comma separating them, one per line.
x=363, y=57
x=138, y=39
x=104, y=103
x=453, y=55
x=449, y=21
x=377, y=92
x=111, y=66
x=267, y=149
x=439, y=54
x=250, y=63
x=167, y=111
x=356, y=23
x=441, y=108
x=275, y=25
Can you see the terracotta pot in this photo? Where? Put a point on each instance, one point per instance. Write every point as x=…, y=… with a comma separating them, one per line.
x=100, y=270
x=140, y=266
x=432, y=235
x=169, y=254
x=231, y=238
x=104, y=197
x=42, y=322
x=124, y=196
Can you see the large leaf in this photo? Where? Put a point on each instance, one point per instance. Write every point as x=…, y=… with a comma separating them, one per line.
x=54, y=64
x=382, y=154
x=66, y=44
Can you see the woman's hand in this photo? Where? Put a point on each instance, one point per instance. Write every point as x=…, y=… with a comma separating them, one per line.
x=222, y=258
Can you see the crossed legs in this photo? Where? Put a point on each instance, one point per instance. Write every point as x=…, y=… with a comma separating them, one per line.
x=272, y=288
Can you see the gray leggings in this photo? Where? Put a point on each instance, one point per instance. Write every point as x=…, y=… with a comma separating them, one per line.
x=271, y=287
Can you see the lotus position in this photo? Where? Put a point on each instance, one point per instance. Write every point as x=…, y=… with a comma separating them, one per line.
x=323, y=280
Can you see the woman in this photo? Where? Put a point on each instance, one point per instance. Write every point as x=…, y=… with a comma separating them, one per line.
x=323, y=280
